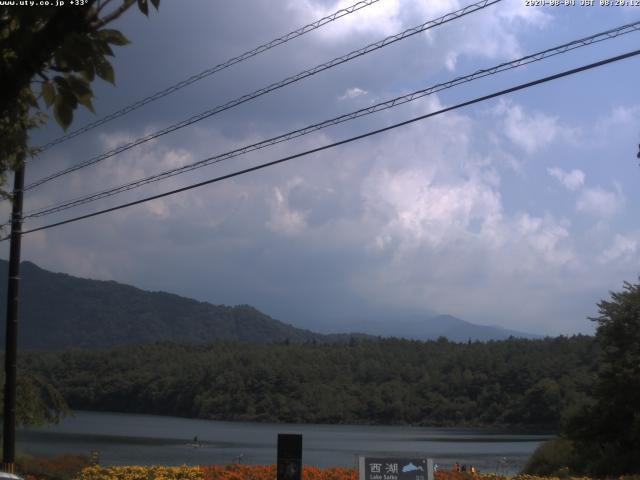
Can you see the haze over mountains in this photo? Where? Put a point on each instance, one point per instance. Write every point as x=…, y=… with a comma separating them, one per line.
x=425, y=327
x=60, y=311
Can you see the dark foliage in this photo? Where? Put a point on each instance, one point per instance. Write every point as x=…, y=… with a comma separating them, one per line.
x=49, y=57
x=606, y=434
x=552, y=459
x=37, y=401
x=513, y=382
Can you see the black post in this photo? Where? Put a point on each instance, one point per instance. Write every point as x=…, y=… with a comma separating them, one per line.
x=10, y=355
x=289, y=466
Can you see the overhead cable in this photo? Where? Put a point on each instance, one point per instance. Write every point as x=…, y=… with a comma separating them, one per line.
x=534, y=57
x=274, y=86
x=341, y=142
x=210, y=71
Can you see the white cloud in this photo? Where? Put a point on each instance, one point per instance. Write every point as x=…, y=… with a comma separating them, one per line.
x=381, y=18
x=600, y=202
x=545, y=236
x=620, y=117
x=159, y=208
x=533, y=131
x=622, y=248
x=490, y=33
x=421, y=210
x=618, y=125
x=572, y=180
x=353, y=93
x=438, y=225
x=283, y=218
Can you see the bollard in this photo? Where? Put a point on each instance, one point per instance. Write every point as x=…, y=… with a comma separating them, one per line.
x=289, y=466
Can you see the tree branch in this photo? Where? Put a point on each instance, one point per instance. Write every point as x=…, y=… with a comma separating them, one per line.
x=113, y=15
x=32, y=55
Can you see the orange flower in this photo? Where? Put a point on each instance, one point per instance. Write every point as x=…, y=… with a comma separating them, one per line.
x=268, y=472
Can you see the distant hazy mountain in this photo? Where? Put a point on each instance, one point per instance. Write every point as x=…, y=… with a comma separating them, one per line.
x=60, y=311
x=424, y=327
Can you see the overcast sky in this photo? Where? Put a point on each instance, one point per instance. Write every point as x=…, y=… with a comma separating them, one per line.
x=520, y=211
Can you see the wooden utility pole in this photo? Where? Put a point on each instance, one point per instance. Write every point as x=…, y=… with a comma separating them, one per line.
x=11, y=340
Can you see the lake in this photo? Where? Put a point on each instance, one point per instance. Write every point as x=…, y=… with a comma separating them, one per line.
x=126, y=439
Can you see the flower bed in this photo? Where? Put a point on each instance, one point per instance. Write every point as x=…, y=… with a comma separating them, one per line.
x=267, y=472
x=154, y=472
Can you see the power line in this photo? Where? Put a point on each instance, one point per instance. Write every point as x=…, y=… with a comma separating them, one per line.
x=274, y=86
x=210, y=71
x=341, y=142
x=535, y=57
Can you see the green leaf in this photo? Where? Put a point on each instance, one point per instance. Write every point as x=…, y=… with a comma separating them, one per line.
x=68, y=97
x=86, y=101
x=89, y=72
x=103, y=48
x=31, y=99
x=70, y=55
x=83, y=45
x=79, y=86
x=59, y=61
x=143, y=6
x=105, y=71
x=155, y=3
x=48, y=93
x=61, y=82
x=63, y=113
x=113, y=37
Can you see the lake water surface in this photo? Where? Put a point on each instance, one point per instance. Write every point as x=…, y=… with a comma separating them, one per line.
x=125, y=439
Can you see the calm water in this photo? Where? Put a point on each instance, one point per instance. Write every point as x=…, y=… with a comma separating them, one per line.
x=124, y=439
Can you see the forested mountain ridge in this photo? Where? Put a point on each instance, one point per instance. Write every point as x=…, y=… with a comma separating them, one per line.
x=59, y=311
x=530, y=383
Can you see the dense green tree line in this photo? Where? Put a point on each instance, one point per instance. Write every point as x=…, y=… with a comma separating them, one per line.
x=602, y=437
x=37, y=401
x=513, y=382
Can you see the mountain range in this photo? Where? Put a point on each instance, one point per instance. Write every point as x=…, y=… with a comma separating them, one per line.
x=59, y=311
x=426, y=327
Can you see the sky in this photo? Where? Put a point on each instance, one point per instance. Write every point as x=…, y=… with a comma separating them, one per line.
x=520, y=211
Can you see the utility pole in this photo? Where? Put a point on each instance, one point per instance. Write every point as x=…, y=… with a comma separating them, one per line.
x=11, y=341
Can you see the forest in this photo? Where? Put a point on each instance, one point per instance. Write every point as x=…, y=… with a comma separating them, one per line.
x=533, y=384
